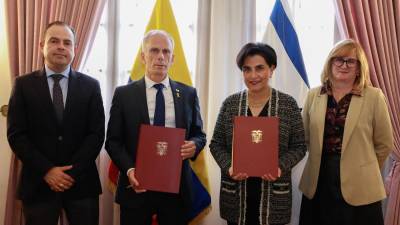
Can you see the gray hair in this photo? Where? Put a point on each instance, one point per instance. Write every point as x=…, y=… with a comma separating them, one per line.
x=151, y=33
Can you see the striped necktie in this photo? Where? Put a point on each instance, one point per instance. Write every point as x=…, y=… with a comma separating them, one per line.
x=58, y=101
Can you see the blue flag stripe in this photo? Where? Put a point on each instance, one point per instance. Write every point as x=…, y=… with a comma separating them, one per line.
x=201, y=196
x=288, y=37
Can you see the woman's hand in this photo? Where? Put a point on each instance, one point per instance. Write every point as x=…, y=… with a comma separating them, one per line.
x=269, y=177
x=239, y=176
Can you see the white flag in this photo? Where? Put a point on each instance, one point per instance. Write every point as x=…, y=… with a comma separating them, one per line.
x=289, y=76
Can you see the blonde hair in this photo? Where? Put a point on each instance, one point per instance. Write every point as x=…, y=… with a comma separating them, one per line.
x=340, y=49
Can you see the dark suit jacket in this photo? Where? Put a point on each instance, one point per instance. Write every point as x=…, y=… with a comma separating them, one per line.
x=128, y=112
x=41, y=143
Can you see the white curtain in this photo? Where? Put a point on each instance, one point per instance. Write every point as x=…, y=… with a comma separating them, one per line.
x=109, y=210
x=224, y=26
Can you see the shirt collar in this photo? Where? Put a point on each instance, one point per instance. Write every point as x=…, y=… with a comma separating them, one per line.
x=50, y=72
x=150, y=83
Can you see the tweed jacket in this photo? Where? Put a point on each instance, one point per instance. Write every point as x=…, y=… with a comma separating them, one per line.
x=367, y=141
x=276, y=197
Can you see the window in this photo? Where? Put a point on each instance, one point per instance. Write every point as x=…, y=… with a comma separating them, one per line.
x=96, y=64
x=132, y=16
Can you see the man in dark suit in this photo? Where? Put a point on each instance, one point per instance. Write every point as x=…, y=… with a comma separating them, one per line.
x=137, y=103
x=56, y=128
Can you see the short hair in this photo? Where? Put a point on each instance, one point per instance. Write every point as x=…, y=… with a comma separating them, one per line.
x=151, y=33
x=261, y=49
x=59, y=23
x=342, y=48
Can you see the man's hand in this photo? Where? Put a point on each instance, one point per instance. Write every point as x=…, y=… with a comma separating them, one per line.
x=58, y=180
x=188, y=149
x=239, y=176
x=134, y=182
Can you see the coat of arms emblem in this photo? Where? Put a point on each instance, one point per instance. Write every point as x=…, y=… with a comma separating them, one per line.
x=256, y=136
x=162, y=148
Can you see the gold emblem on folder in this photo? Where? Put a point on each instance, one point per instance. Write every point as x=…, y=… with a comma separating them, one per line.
x=256, y=136
x=162, y=148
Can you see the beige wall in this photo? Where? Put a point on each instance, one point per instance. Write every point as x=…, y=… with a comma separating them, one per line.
x=5, y=88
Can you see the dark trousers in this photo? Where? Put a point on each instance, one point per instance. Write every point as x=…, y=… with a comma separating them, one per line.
x=328, y=206
x=253, y=202
x=47, y=212
x=169, y=208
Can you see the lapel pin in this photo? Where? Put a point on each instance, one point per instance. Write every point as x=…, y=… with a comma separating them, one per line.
x=177, y=93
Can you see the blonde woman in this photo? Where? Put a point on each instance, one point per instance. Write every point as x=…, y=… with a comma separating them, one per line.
x=349, y=136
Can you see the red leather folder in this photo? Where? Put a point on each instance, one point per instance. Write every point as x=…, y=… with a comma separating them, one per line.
x=158, y=158
x=255, y=145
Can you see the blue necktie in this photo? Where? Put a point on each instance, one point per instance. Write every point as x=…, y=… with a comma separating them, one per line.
x=159, y=112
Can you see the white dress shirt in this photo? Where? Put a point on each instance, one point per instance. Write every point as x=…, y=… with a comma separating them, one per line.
x=151, y=93
x=63, y=82
x=169, y=101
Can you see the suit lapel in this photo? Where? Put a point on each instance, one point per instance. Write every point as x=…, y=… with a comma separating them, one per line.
x=72, y=94
x=140, y=95
x=320, y=105
x=41, y=87
x=178, y=94
x=351, y=118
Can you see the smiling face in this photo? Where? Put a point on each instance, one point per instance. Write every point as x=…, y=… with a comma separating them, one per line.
x=58, y=47
x=345, y=67
x=256, y=73
x=157, y=56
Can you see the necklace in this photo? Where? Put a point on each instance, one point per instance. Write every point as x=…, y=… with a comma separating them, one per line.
x=260, y=103
x=257, y=104
x=243, y=111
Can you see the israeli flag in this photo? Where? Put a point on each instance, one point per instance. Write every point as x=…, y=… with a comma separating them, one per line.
x=289, y=76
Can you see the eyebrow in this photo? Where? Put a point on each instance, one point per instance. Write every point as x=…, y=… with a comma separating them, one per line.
x=344, y=57
x=258, y=65
x=160, y=48
x=57, y=38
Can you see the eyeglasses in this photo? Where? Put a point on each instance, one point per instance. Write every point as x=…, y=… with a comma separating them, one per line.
x=350, y=62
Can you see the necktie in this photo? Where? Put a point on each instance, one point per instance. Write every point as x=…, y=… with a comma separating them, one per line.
x=58, y=97
x=159, y=112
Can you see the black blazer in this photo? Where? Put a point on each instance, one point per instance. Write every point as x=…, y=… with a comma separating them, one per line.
x=128, y=112
x=41, y=143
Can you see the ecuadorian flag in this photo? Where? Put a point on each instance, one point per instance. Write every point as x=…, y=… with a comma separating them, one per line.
x=163, y=18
